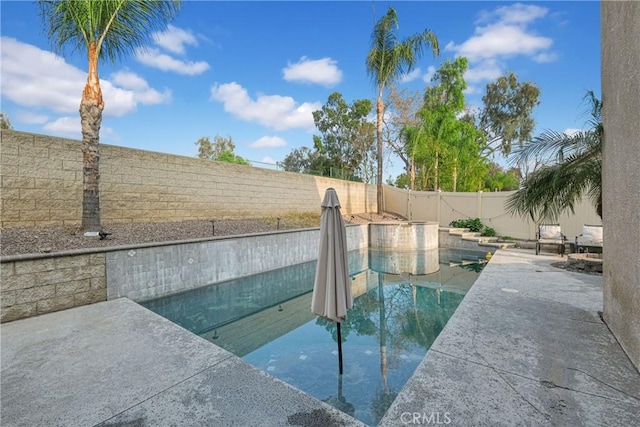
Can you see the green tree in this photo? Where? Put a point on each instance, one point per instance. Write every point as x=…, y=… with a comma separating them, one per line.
x=574, y=168
x=498, y=179
x=5, y=123
x=228, y=156
x=300, y=160
x=346, y=136
x=104, y=30
x=446, y=144
x=507, y=114
x=222, y=149
x=387, y=60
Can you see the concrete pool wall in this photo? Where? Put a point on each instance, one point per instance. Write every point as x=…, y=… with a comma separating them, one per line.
x=152, y=272
x=35, y=284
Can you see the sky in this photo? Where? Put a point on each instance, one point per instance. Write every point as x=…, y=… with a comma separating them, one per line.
x=257, y=70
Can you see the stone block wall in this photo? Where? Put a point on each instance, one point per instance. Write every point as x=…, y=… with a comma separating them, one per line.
x=41, y=180
x=46, y=284
x=42, y=184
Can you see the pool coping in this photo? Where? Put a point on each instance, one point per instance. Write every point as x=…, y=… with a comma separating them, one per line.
x=115, y=362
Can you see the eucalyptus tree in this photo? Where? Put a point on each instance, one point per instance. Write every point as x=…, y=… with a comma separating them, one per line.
x=574, y=168
x=104, y=30
x=346, y=136
x=5, y=123
x=222, y=149
x=507, y=114
x=388, y=59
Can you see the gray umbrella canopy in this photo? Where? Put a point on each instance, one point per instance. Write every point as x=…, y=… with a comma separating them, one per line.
x=332, y=287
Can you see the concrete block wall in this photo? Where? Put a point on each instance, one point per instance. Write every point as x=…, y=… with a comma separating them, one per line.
x=41, y=180
x=46, y=284
x=42, y=184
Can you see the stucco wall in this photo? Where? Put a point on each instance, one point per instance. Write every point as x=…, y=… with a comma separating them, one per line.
x=620, y=172
x=42, y=184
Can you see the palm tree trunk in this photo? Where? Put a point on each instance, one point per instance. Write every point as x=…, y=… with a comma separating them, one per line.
x=91, y=107
x=379, y=114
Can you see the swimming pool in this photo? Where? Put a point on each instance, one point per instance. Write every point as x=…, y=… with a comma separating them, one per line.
x=401, y=303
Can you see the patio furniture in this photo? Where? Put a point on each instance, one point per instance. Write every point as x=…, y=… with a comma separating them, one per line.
x=591, y=238
x=550, y=234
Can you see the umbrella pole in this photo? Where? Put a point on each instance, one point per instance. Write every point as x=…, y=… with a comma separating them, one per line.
x=339, y=348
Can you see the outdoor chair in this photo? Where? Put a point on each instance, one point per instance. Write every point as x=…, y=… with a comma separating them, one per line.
x=550, y=234
x=591, y=238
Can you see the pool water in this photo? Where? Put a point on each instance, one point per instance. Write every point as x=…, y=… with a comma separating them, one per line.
x=266, y=319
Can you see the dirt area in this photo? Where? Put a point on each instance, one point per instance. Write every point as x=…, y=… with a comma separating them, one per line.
x=58, y=238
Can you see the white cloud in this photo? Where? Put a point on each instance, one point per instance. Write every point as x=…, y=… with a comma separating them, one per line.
x=129, y=80
x=431, y=71
x=502, y=34
x=545, y=57
x=275, y=111
x=471, y=90
x=572, y=131
x=65, y=126
x=515, y=14
x=500, y=40
x=409, y=77
x=31, y=118
x=70, y=127
x=138, y=87
x=156, y=59
x=174, y=39
x=323, y=71
x=269, y=142
x=32, y=77
x=483, y=71
x=268, y=159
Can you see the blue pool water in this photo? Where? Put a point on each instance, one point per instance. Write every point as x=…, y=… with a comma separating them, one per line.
x=401, y=303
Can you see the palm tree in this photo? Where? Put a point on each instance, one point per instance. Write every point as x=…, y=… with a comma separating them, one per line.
x=104, y=30
x=387, y=61
x=576, y=170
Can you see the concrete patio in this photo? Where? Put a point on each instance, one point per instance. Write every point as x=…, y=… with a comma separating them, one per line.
x=525, y=347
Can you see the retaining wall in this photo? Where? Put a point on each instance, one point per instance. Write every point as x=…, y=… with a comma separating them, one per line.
x=42, y=283
x=52, y=283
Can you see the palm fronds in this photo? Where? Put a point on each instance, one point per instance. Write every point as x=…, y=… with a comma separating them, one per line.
x=573, y=168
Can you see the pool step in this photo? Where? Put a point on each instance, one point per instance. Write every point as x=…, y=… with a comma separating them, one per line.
x=463, y=237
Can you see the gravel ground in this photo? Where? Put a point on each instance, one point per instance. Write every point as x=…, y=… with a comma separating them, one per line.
x=58, y=238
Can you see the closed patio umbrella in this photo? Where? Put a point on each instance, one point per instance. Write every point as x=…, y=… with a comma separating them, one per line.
x=332, y=287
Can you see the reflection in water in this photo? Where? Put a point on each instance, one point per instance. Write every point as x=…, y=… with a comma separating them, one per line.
x=394, y=320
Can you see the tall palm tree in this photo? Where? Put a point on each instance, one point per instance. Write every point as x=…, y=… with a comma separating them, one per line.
x=576, y=169
x=104, y=29
x=387, y=61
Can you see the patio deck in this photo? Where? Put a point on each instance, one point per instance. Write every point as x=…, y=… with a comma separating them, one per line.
x=525, y=347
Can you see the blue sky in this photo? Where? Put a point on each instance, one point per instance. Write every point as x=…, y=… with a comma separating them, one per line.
x=257, y=70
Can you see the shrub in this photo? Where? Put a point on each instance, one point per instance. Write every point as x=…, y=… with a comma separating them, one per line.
x=474, y=225
x=489, y=232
